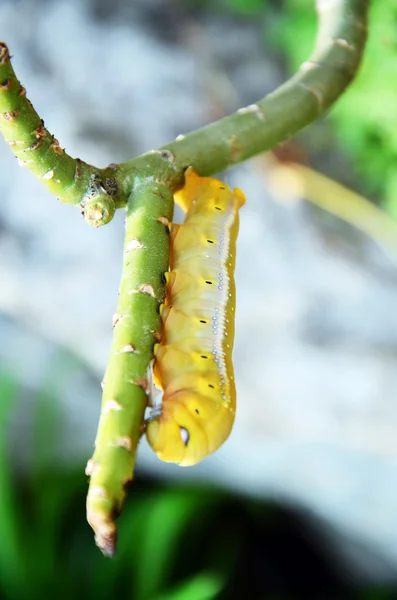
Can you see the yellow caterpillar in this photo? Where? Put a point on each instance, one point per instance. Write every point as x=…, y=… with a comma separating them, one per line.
x=193, y=362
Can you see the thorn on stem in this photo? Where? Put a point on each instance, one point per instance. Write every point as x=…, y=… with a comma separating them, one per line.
x=111, y=405
x=116, y=319
x=129, y=348
x=56, y=147
x=133, y=245
x=10, y=115
x=164, y=221
x=48, y=175
x=252, y=108
x=344, y=44
x=90, y=467
x=147, y=288
x=4, y=53
x=124, y=441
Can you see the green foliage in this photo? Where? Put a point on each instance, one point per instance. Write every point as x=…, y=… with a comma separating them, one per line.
x=47, y=549
x=10, y=571
x=201, y=587
x=175, y=543
x=246, y=7
x=240, y=7
x=366, y=115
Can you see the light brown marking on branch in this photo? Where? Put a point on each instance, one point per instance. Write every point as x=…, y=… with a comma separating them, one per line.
x=56, y=147
x=133, y=245
x=140, y=382
x=147, y=288
x=111, y=405
x=48, y=175
x=123, y=441
x=40, y=131
x=22, y=92
x=344, y=44
x=105, y=538
x=23, y=163
x=4, y=53
x=314, y=92
x=10, y=115
x=157, y=335
x=129, y=348
x=252, y=108
x=116, y=319
x=235, y=150
x=164, y=221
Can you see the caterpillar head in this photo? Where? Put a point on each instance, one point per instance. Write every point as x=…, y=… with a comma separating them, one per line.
x=189, y=428
x=207, y=192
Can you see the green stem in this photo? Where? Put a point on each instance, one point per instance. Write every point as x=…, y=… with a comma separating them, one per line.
x=253, y=129
x=71, y=179
x=280, y=115
x=136, y=329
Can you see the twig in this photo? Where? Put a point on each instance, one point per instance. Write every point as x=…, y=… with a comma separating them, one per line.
x=253, y=129
x=136, y=329
x=71, y=179
x=280, y=115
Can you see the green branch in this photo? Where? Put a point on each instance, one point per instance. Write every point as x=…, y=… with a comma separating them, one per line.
x=71, y=179
x=136, y=329
x=280, y=115
x=253, y=129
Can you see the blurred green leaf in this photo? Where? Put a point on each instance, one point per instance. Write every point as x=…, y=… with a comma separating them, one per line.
x=246, y=7
x=10, y=568
x=204, y=586
x=365, y=117
x=167, y=517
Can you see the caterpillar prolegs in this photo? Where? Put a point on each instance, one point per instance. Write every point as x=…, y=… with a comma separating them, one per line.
x=193, y=362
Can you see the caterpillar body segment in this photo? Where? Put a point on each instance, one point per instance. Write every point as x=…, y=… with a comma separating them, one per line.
x=193, y=362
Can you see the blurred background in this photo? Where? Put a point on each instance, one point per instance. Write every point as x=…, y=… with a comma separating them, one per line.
x=301, y=500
